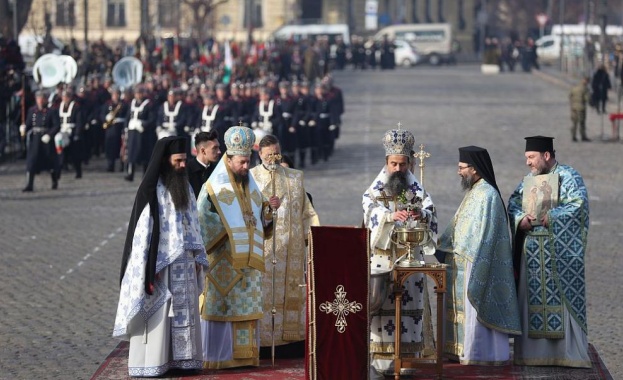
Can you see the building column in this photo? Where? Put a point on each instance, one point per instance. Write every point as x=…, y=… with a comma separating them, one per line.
x=414, y=12
x=440, y=11
x=427, y=11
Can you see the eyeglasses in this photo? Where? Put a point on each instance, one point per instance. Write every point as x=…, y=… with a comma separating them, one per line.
x=464, y=167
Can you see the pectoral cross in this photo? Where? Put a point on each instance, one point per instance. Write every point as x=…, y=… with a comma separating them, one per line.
x=384, y=198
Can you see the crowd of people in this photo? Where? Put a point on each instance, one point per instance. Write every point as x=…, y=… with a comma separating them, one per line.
x=68, y=126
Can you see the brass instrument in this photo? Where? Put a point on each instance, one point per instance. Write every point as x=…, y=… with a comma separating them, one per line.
x=114, y=116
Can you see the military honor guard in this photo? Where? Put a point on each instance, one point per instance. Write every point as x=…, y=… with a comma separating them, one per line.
x=141, y=134
x=39, y=130
x=70, y=141
x=286, y=129
x=171, y=121
x=114, y=116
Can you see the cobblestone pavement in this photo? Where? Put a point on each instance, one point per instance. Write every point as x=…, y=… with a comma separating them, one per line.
x=60, y=252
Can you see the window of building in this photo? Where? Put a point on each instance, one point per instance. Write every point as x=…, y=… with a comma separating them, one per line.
x=168, y=13
x=115, y=13
x=65, y=13
x=253, y=8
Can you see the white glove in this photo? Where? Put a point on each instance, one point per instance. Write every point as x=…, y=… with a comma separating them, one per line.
x=22, y=129
x=187, y=129
x=45, y=139
x=109, y=117
x=302, y=123
x=332, y=127
x=86, y=127
x=140, y=128
x=312, y=123
x=254, y=124
x=94, y=121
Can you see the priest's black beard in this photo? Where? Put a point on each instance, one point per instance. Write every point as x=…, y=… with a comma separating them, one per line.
x=396, y=183
x=241, y=178
x=467, y=182
x=177, y=184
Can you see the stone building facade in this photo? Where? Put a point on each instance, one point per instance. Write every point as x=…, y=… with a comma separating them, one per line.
x=233, y=19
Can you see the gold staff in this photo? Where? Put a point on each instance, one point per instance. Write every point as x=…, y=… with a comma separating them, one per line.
x=421, y=155
x=272, y=163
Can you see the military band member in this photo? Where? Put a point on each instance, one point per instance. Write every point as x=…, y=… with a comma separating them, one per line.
x=171, y=120
x=98, y=96
x=39, y=131
x=266, y=114
x=322, y=122
x=113, y=117
x=302, y=114
x=141, y=133
x=238, y=107
x=335, y=94
x=286, y=129
x=70, y=140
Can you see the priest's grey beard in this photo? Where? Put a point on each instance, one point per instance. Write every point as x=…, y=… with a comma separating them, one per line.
x=241, y=178
x=396, y=183
x=177, y=183
x=467, y=181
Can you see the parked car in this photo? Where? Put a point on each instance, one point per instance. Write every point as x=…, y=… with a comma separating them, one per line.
x=405, y=54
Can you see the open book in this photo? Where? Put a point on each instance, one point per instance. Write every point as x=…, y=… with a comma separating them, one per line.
x=540, y=194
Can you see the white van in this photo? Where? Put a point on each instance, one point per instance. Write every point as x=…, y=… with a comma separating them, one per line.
x=548, y=47
x=300, y=32
x=432, y=41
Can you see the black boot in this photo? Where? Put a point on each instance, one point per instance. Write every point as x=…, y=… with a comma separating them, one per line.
x=30, y=178
x=54, y=176
x=302, y=158
x=78, y=166
x=130, y=176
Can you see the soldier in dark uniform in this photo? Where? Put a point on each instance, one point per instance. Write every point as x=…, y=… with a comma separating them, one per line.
x=113, y=117
x=237, y=103
x=286, y=129
x=171, y=118
x=267, y=113
x=192, y=109
x=336, y=96
x=225, y=107
x=141, y=131
x=250, y=101
x=211, y=119
x=87, y=104
x=39, y=131
x=322, y=122
x=99, y=96
x=300, y=93
x=70, y=141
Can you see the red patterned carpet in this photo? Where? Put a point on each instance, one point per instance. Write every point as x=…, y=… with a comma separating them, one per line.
x=115, y=368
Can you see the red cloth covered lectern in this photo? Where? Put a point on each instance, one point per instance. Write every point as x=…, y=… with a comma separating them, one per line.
x=337, y=304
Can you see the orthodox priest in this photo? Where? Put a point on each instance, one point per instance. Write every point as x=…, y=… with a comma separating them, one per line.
x=382, y=211
x=162, y=269
x=294, y=218
x=232, y=216
x=552, y=299
x=482, y=303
